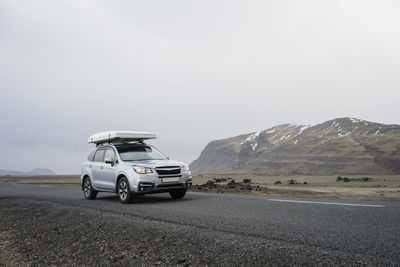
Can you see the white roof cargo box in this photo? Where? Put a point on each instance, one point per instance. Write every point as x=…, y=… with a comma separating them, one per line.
x=122, y=136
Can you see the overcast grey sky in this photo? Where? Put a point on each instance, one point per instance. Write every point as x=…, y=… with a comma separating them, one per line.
x=191, y=71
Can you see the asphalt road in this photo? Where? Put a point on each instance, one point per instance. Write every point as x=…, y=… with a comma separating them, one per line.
x=271, y=230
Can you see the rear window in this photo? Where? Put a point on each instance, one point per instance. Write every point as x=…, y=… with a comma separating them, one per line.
x=91, y=155
x=99, y=156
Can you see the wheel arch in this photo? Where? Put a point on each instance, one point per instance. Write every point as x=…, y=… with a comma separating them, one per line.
x=83, y=180
x=121, y=175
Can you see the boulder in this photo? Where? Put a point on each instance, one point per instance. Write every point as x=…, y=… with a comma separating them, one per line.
x=210, y=184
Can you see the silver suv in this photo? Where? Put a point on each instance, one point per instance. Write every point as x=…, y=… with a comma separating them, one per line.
x=130, y=169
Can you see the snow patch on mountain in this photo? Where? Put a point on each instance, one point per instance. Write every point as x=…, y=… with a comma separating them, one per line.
x=380, y=128
x=251, y=141
x=302, y=129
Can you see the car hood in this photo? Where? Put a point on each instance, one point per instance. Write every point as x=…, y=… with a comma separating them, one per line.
x=155, y=163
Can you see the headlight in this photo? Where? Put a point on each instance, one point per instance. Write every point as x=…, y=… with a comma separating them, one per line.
x=185, y=168
x=142, y=170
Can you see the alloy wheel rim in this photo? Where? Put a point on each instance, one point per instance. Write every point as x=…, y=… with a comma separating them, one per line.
x=87, y=188
x=123, y=190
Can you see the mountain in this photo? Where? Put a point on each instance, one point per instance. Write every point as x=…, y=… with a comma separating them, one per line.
x=36, y=171
x=339, y=146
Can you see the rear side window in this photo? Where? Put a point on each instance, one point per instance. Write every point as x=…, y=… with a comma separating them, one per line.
x=91, y=155
x=99, y=156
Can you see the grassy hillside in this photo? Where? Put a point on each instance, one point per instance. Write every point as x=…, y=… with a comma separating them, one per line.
x=344, y=145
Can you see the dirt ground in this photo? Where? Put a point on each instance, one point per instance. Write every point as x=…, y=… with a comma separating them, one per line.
x=378, y=187
x=73, y=180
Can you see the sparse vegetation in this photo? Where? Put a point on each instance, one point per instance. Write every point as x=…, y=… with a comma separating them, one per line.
x=346, y=180
x=220, y=180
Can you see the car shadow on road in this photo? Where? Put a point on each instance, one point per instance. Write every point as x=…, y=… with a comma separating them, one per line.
x=149, y=199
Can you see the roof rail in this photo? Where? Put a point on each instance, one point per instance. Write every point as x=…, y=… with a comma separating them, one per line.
x=120, y=143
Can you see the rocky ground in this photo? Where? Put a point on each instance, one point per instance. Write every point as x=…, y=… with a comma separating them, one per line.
x=221, y=185
x=356, y=187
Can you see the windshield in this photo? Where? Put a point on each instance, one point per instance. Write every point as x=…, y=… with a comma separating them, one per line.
x=139, y=152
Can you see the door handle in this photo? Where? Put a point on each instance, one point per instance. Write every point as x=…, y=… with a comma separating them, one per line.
x=101, y=167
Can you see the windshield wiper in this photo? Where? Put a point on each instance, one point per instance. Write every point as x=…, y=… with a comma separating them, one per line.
x=138, y=159
x=142, y=159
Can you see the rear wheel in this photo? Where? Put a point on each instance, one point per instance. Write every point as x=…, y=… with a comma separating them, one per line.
x=88, y=190
x=124, y=192
x=178, y=194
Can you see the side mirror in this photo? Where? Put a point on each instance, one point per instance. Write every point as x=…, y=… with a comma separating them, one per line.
x=109, y=161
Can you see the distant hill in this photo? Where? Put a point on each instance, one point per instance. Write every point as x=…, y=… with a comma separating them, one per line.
x=36, y=171
x=339, y=146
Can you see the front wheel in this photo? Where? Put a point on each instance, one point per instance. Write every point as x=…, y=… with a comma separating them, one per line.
x=88, y=190
x=124, y=192
x=178, y=194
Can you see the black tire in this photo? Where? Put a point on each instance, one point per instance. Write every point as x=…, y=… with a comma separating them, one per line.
x=88, y=190
x=178, y=194
x=124, y=191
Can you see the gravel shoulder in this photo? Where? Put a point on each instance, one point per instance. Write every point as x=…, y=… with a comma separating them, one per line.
x=36, y=232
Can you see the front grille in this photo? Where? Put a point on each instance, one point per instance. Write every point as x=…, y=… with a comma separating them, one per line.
x=168, y=170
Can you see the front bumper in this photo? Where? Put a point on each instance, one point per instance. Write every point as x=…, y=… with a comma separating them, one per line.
x=152, y=188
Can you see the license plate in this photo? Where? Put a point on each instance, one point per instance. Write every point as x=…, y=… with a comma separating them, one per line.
x=170, y=179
